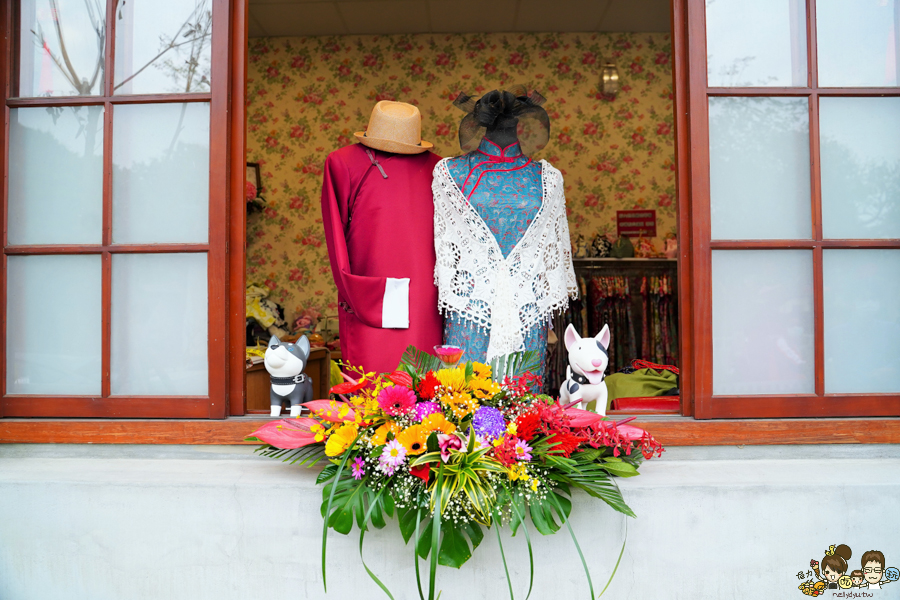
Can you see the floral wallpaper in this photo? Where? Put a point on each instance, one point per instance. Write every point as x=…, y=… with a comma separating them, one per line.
x=306, y=97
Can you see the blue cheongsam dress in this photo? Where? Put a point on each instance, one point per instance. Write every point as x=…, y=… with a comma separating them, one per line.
x=505, y=188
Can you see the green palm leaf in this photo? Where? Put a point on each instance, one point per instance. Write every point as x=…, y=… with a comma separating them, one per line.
x=420, y=360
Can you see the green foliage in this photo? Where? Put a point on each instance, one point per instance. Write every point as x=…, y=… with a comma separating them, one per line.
x=420, y=361
x=593, y=478
x=306, y=456
x=514, y=364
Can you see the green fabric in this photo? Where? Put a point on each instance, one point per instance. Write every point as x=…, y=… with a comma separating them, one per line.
x=643, y=382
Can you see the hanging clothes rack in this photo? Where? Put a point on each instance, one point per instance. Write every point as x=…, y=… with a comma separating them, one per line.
x=637, y=298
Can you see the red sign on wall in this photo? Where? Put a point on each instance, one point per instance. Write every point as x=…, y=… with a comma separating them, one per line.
x=635, y=223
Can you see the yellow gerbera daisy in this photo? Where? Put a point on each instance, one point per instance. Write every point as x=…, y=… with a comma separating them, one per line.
x=452, y=379
x=437, y=422
x=484, y=388
x=341, y=439
x=481, y=370
x=461, y=404
x=379, y=438
x=413, y=438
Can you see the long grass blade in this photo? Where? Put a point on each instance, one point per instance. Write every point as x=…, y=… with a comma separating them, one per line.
x=521, y=519
x=503, y=556
x=564, y=519
x=416, y=551
x=435, y=533
x=334, y=487
x=362, y=533
x=621, y=552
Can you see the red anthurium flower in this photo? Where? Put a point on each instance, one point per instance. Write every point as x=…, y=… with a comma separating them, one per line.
x=288, y=433
x=582, y=418
x=401, y=378
x=331, y=410
x=421, y=471
x=348, y=387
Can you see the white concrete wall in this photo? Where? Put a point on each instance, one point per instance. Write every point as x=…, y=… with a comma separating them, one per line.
x=158, y=522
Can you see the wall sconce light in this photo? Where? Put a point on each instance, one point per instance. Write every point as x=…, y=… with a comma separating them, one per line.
x=609, y=78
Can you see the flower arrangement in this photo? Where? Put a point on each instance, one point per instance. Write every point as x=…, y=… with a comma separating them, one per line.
x=452, y=451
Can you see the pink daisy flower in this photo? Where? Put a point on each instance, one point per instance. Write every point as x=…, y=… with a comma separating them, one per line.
x=358, y=469
x=396, y=400
x=393, y=455
x=523, y=450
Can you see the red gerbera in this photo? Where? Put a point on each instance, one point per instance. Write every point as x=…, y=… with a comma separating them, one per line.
x=527, y=424
x=428, y=385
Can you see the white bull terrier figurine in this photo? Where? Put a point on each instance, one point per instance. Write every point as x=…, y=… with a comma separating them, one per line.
x=588, y=359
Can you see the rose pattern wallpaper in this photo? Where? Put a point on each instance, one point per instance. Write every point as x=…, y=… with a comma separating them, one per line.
x=307, y=95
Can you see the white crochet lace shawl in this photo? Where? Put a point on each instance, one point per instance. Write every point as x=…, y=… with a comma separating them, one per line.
x=508, y=296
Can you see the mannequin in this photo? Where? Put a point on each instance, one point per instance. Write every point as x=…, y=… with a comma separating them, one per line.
x=506, y=189
x=378, y=219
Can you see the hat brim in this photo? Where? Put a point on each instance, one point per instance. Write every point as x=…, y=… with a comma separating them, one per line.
x=391, y=145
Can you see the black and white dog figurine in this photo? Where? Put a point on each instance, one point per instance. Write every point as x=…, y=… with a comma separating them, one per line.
x=588, y=359
x=285, y=364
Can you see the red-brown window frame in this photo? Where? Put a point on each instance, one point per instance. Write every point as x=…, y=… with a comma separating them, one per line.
x=219, y=271
x=226, y=247
x=706, y=405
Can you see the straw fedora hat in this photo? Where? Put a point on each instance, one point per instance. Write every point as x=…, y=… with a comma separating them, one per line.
x=394, y=127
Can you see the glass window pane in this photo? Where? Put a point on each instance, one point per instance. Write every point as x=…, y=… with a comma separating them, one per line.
x=762, y=305
x=756, y=43
x=858, y=42
x=163, y=46
x=53, y=325
x=759, y=168
x=862, y=321
x=56, y=175
x=860, y=150
x=61, y=51
x=159, y=324
x=161, y=173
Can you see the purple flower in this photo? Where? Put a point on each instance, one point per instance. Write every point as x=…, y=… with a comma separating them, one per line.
x=448, y=442
x=489, y=422
x=358, y=468
x=423, y=409
x=523, y=450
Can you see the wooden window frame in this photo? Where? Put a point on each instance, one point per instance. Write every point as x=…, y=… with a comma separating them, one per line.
x=692, y=156
x=219, y=267
x=818, y=404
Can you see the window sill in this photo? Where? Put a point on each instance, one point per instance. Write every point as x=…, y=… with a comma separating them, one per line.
x=670, y=430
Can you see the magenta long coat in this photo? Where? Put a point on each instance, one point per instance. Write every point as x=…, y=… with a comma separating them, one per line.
x=380, y=235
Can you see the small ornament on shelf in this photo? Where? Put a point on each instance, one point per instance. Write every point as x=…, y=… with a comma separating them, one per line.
x=622, y=248
x=671, y=247
x=601, y=246
x=579, y=247
x=645, y=248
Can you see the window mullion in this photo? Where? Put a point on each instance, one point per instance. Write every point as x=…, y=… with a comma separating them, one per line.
x=812, y=62
x=108, y=61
